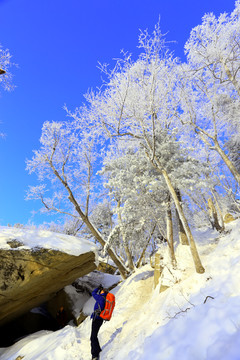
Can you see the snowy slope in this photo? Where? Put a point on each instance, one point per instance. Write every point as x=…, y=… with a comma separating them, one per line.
x=197, y=318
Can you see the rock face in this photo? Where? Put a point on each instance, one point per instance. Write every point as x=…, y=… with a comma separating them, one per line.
x=29, y=278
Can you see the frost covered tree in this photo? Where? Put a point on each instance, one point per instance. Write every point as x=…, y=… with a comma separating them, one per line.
x=148, y=115
x=5, y=75
x=136, y=192
x=210, y=89
x=5, y=64
x=64, y=165
x=102, y=217
x=136, y=103
x=141, y=190
x=206, y=188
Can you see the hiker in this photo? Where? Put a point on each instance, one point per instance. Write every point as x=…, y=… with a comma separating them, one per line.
x=61, y=317
x=99, y=294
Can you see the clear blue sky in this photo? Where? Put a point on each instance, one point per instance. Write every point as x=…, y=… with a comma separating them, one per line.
x=57, y=45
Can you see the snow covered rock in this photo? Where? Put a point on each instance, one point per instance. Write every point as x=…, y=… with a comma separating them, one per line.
x=30, y=276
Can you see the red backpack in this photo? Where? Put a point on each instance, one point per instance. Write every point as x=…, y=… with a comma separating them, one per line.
x=109, y=306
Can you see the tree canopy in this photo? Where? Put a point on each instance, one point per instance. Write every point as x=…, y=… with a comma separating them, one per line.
x=155, y=148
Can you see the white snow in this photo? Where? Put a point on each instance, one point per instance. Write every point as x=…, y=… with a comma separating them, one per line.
x=196, y=318
x=31, y=238
x=85, y=303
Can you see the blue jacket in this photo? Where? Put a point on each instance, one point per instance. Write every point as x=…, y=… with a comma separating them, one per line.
x=100, y=303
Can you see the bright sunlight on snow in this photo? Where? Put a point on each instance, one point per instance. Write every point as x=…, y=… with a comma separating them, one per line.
x=198, y=317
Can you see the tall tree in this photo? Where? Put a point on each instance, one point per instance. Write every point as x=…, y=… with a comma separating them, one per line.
x=138, y=194
x=137, y=103
x=210, y=91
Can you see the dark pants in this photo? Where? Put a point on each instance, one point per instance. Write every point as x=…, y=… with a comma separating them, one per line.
x=95, y=347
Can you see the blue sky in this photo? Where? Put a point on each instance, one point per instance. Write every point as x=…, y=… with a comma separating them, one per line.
x=57, y=45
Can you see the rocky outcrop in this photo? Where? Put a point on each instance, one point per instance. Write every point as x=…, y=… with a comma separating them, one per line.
x=29, y=278
x=106, y=268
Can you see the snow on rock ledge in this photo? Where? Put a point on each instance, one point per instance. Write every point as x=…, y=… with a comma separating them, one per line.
x=35, y=265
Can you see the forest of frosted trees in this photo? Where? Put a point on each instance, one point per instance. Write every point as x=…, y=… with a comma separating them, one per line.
x=153, y=152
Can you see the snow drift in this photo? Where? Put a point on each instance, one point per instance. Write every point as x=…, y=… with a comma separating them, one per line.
x=197, y=318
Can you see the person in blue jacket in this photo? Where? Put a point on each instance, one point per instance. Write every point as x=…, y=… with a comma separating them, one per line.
x=99, y=294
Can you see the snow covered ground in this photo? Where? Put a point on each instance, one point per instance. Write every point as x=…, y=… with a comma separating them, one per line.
x=196, y=318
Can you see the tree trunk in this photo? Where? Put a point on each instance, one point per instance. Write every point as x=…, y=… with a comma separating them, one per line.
x=170, y=232
x=122, y=269
x=145, y=247
x=125, y=244
x=182, y=234
x=129, y=256
x=230, y=76
x=227, y=161
x=157, y=268
x=196, y=259
x=213, y=215
x=214, y=193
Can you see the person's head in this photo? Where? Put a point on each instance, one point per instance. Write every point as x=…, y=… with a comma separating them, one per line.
x=103, y=291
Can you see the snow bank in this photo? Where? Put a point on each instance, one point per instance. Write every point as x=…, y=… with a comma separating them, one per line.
x=46, y=239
